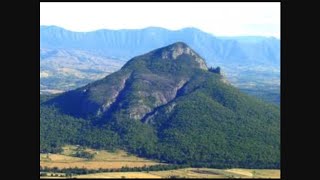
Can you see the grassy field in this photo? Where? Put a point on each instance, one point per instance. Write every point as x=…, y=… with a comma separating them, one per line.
x=191, y=173
x=104, y=159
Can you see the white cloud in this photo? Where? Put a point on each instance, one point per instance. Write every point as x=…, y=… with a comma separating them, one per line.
x=223, y=19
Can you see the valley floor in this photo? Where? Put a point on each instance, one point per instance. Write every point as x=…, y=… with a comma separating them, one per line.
x=190, y=173
x=101, y=159
x=114, y=160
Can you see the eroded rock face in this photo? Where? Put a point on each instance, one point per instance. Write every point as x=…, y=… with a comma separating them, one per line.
x=141, y=86
x=160, y=98
x=179, y=49
x=149, y=118
x=138, y=112
x=112, y=98
x=142, y=108
x=142, y=100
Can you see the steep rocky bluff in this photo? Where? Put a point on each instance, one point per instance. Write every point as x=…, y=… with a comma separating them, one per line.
x=168, y=105
x=144, y=83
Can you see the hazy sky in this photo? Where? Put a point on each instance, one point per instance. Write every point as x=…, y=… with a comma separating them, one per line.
x=221, y=19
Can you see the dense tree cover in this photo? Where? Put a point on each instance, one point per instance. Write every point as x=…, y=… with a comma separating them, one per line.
x=57, y=129
x=213, y=123
x=207, y=123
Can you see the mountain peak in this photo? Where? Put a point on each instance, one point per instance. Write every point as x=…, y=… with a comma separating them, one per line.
x=175, y=50
x=179, y=45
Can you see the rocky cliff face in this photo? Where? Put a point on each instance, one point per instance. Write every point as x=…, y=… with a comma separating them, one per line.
x=165, y=104
x=182, y=49
x=143, y=84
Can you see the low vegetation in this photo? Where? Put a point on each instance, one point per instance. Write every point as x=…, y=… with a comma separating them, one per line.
x=124, y=165
x=68, y=161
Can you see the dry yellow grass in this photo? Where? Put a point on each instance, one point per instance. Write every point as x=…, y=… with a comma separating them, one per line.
x=191, y=173
x=102, y=159
x=69, y=150
x=241, y=172
x=255, y=173
x=187, y=173
x=59, y=158
x=120, y=175
x=106, y=160
x=267, y=173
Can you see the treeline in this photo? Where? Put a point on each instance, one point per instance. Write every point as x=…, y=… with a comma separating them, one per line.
x=79, y=171
x=45, y=171
x=212, y=125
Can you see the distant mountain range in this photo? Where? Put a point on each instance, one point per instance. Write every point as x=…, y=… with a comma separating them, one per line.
x=126, y=44
x=167, y=105
x=251, y=63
